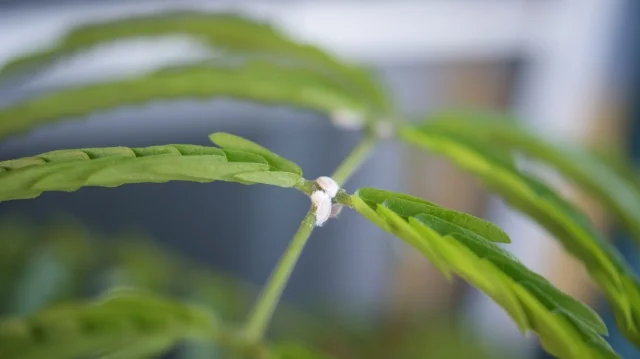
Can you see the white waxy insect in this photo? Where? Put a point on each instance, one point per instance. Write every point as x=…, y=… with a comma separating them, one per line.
x=322, y=205
x=328, y=185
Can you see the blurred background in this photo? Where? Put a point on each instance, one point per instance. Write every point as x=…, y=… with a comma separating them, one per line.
x=566, y=68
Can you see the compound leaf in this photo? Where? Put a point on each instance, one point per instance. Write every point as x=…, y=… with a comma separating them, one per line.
x=561, y=322
x=254, y=80
x=70, y=170
x=409, y=205
x=559, y=217
x=227, y=33
x=277, y=163
x=616, y=191
x=274, y=178
x=121, y=323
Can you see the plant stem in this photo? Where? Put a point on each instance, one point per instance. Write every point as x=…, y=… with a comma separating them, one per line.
x=270, y=295
x=354, y=160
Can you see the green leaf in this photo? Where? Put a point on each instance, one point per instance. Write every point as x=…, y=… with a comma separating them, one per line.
x=41, y=282
x=397, y=225
x=49, y=269
x=408, y=206
x=199, y=350
x=122, y=322
x=15, y=248
x=559, y=217
x=69, y=170
x=277, y=163
x=226, y=33
x=291, y=350
x=561, y=322
x=242, y=156
x=143, y=349
x=274, y=178
x=618, y=162
x=617, y=193
x=137, y=261
x=548, y=294
x=375, y=195
x=253, y=81
x=40, y=265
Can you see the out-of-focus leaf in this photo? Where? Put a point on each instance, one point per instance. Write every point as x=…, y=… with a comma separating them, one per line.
x=15, y=247
x=40, y=283
x=48, y=268
x=140, y=263
x=69, y=170
x=290, y=350
x=619, y=163
x=617, y=193
x=226, y=33
x=559, y=217
x=143, y=349
x=231, y=299
x=122, y=322
x=254, y=80
x=532, y=302
x=199, y=350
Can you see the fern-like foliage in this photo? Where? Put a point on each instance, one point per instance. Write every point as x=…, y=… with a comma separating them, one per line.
x=121, y=324
x=238, y=160
x=564, y=221
x=15, y=250
x=258, y=63
x=49, y=272
x=134, y=261
x=618, y=193
x=615, y=160
x=254, y=80
x=226, y=33
x=566, y=327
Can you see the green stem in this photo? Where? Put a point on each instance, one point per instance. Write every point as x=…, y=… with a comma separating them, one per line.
x=262, y=312
x=354, y=160
x=270, y=295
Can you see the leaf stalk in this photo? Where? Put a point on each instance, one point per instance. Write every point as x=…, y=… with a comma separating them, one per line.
x=268, y=299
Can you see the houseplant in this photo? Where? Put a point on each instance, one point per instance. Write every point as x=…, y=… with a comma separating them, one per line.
x=258, y=63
